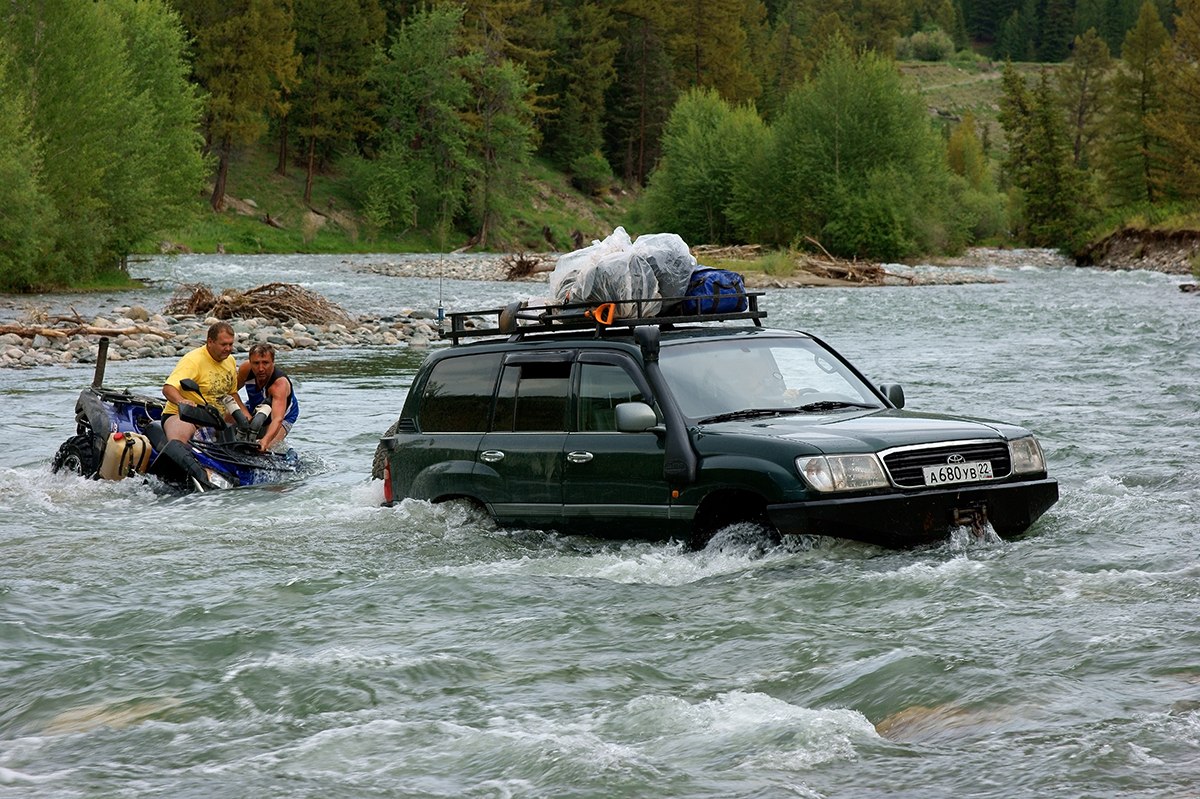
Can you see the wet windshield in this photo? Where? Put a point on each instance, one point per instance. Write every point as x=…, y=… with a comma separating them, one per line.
x=760, y=377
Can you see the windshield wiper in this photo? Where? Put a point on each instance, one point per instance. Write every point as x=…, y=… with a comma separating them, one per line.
x=833, y=405
x=746, y=413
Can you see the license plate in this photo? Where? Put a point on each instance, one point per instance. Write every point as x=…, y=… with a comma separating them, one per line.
x=958, y=473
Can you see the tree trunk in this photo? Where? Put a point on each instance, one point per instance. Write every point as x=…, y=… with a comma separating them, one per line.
x=218, y=196
x=310, y=167
x=282, y=165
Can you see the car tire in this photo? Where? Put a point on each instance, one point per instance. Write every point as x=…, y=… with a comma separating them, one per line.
x=77, y=456
x=381, y=453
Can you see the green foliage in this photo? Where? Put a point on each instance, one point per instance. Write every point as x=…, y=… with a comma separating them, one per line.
x=420, y=177
x=580, y=75
x=705, y=144
x=852, y=159
x=965, y=156
x=336, y=40
x=502, y=142
x=245, y=61
x=1083, y=89
x=930, y=45
x=1129, y=156
x=590, y=173
x=1054, y=193
x=642, y=94
x=1177, y=120
x=708, y=42
x=28, y=213
x=111, y=155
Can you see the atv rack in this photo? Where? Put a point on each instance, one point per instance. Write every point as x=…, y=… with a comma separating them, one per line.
x=517, y=319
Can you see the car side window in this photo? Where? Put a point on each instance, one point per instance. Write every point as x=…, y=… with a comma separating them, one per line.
x=601, y=388
x=533, y=397
x=458, y=393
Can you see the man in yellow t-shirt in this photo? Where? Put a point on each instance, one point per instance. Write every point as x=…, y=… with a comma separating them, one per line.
x=214, y=370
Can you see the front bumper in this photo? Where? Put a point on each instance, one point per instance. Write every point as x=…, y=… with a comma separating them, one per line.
x=900, y=520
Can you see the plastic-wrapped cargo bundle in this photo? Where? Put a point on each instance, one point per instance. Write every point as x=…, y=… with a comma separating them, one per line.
x=618, y=269
x=669, y=257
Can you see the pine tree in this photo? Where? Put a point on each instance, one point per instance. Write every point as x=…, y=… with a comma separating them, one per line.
x=336, y=40
x=1053, y=188
x=1083, y=89
x=1131, y=151
x=28, y=212
x=579, y=79
x=163, y=170
x=1177, y=120
x=502, y=138
x=708, y=48
x=246, y=61
x=643, y=92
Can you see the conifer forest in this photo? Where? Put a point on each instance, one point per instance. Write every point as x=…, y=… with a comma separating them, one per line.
x=777, y=122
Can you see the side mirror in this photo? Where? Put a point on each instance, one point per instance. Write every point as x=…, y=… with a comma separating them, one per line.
x=188, y=384
x=894, y=392
x=635, y=417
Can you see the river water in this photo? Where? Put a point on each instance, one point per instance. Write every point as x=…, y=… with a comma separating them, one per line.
x=305, y=642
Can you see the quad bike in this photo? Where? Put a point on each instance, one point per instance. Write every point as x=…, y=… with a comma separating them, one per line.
x=120, y=434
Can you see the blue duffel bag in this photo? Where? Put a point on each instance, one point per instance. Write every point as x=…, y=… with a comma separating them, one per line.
x=715, y=291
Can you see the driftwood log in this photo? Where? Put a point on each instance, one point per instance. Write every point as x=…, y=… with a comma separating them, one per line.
x=29, y=331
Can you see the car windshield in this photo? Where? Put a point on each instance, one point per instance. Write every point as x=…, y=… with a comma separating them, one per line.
x=744, y=378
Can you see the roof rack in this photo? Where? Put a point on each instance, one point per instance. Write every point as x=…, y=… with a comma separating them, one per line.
x=519, y=318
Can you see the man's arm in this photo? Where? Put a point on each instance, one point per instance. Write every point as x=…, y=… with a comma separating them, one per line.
x=278, y=393
x=175, y=395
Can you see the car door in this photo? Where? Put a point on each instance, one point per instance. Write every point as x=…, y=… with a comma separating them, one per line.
x=613, y=482
x=521, y=456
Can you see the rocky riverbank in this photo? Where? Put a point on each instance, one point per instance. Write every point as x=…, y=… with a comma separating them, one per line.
x=1174, y=252
x=134, y=332
x=30, y=337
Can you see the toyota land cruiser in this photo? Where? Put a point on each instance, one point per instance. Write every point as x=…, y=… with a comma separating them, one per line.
x=677, y=425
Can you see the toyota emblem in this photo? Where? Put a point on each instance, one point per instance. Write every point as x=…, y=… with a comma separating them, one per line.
x=956, y=458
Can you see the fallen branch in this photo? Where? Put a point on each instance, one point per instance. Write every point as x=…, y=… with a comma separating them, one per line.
x=281, y=302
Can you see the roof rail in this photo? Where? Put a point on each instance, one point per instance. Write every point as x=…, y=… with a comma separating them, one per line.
x=518, y=319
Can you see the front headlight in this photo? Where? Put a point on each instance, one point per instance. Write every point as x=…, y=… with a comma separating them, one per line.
x=841, y=472
x=1026, y=455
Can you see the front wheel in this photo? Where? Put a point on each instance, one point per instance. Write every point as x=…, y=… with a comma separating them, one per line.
x=77, y=456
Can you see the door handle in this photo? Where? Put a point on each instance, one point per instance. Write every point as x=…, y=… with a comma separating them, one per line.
x=579, y=456
x=491, y=456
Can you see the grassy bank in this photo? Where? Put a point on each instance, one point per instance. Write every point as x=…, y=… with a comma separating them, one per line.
x=265, y=212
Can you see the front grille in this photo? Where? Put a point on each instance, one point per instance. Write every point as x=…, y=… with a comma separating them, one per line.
x=904, y=464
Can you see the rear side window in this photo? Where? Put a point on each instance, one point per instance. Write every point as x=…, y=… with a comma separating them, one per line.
x=458, y=395
x=533, y=397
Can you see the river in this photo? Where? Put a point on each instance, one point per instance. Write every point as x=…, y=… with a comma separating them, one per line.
x=306, y=642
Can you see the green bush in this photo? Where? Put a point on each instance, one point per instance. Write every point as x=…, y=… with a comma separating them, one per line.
x=930, y=45
x=591, y=173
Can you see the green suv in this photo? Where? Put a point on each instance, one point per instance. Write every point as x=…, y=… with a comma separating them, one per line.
x=676, y=426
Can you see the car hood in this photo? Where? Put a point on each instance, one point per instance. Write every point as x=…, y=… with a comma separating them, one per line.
x=870, y=431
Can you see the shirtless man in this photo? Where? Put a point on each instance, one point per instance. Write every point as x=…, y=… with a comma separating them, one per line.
x=266, y=384
x=213, y=368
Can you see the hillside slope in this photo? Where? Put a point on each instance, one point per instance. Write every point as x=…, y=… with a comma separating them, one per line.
x=265, y=212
